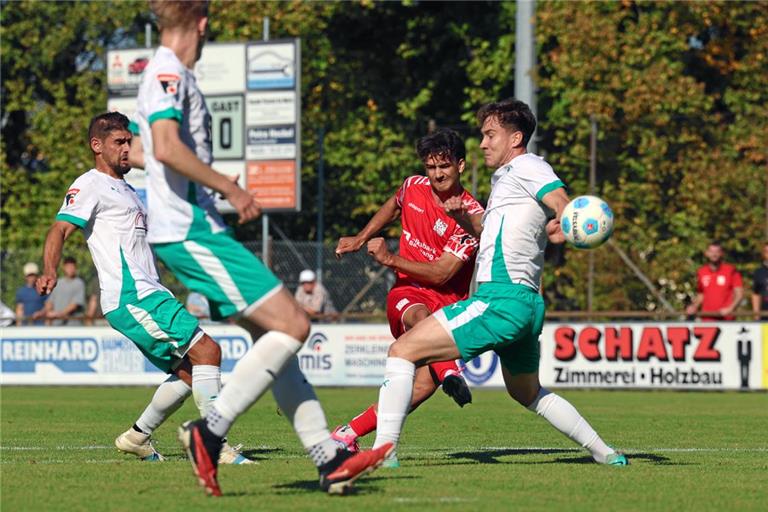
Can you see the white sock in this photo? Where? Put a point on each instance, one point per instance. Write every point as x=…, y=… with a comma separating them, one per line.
x=394, y=400
x=565, y=418
x=252, y=376
x=298, y=402
x=166, y=400
x=206, y=384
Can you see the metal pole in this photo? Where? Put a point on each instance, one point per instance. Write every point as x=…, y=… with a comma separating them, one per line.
x=525, y=56
x=592, y=182
x=147, y=35
x=265, y=218
x=320, y=201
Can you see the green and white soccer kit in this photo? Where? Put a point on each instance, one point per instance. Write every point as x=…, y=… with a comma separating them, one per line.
x=506, y=314
x=134, y=302
x=185, y=229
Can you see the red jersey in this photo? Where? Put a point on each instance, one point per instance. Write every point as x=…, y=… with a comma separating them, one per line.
x=717, y=287
x=428, y=232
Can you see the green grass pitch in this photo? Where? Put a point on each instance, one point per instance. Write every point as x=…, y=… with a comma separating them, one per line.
x=689, y=451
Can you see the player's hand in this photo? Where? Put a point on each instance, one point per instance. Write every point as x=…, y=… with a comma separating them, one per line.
x=555, y=232
x=454, y=207
x=247, y=207
x=45, y=284
x=377, y=248
x=348, y=244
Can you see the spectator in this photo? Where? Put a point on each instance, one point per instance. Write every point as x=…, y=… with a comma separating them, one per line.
x=313, y=296
x=7, y=316
x=30, y=305
x=93, y=308
x=718, y=285
x=760, y=287
x=68, y=298
x=198, y=306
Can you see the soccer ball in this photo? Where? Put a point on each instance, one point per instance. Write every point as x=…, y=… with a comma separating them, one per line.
x=587, y=222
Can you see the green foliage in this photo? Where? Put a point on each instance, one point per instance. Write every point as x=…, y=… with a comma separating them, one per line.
x=675, y=87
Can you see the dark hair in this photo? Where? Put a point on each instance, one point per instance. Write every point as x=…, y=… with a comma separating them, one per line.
x=443, y=142
x=178, y=13
x=103, y=124
x=70, y=259
x=512, y=114
x=716, y=243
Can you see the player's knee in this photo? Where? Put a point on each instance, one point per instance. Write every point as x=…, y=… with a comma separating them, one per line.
x=398, y=349
x=205, y=351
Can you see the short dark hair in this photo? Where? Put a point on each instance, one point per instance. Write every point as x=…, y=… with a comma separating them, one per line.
x=512, y=114
x=716, y=243
x=102, y=124
x=70, y=259
x=178, y=13
x=443, y=142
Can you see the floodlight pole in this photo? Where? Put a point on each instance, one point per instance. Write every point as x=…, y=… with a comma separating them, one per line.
x=320, y=201
x=265, y=217
x=525, y=57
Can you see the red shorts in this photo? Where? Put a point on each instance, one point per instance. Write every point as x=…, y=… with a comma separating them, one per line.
x=403, y=297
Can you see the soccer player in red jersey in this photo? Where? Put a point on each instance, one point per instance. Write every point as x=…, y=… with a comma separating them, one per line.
x=719, y=286
x=434, y=265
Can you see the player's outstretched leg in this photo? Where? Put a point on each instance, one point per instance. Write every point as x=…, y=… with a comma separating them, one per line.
x=137, y=440
x=565, y=418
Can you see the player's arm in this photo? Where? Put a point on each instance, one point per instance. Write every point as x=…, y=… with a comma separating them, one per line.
x=136, y=153
x=455, y=208
x=556, y=200
x=386, y=215
x=171, y=151
x=434, y=273
x=54, y=242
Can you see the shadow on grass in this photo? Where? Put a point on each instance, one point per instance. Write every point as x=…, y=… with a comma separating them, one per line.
x=261, y=453
x=366, y=485
x=492, y=457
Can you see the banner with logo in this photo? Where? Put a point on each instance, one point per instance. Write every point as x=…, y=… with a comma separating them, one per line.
x=611, y=355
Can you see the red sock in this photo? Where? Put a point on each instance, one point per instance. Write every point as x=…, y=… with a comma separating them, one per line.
x=441, y=368
x=365, y=422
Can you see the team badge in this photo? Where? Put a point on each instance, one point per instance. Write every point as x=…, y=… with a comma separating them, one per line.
x=140, y=224
x=169, y=82
x=440, y=227
x=69, y=199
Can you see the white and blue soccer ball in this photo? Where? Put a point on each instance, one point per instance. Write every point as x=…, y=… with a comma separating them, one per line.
x=587, y=222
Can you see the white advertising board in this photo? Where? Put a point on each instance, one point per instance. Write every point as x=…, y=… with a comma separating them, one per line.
x=633, y=355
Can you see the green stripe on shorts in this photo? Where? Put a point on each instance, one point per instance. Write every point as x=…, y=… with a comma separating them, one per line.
x=505, y=318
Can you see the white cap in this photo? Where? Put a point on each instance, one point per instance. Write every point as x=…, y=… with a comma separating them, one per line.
x=307, y=276
x=31, y=268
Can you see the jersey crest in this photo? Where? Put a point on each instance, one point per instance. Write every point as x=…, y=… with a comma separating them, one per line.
x=69, y=199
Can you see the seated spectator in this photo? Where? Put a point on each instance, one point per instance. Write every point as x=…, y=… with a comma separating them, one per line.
x=198, y=306
x=313, y=296
x=67, y=301
x=30, y=305
x=719, y=287
x=760, y=288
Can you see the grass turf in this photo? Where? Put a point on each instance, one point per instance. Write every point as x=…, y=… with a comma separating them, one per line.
x=689, y=451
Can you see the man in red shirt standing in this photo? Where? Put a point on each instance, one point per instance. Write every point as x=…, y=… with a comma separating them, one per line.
x=434, y=265
x=718, y=285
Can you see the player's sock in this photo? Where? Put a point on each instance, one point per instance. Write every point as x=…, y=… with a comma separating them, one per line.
x=565, y=418
x=299, y=404
x=252, y=376
x=394, y=400
x=206, y=384
x=166, y=400
x=444, y=368
x=365, y=422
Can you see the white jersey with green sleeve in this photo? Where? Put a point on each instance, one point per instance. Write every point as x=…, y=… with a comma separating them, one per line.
x=178, y=207
x=514, y=225
x=113, y=221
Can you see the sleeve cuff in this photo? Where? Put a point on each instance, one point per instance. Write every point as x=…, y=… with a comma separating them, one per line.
x=546, y=189
x=77, y=221
x=169, y=113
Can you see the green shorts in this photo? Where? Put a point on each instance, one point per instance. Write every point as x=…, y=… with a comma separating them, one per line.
x=159, y=326
x=215, y=265
x=505, y=318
